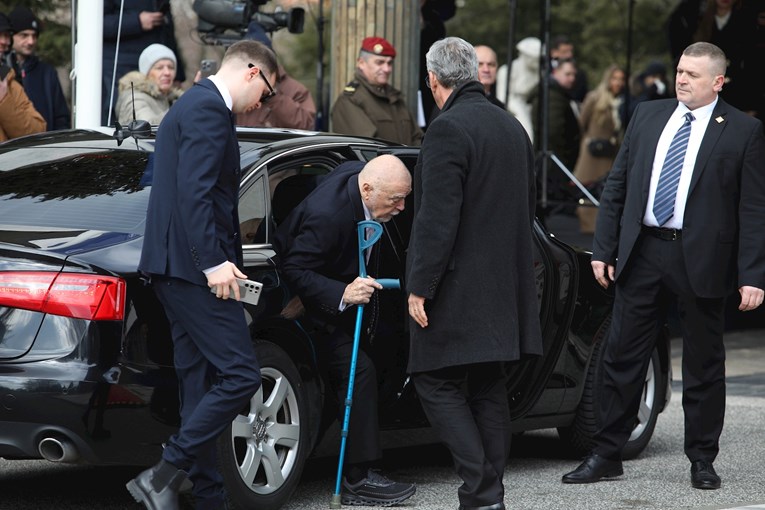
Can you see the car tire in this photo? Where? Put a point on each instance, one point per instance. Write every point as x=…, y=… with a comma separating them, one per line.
x=262, y=453
x=579, y=435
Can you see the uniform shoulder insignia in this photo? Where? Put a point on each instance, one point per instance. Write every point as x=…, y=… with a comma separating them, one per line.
x=351, y=88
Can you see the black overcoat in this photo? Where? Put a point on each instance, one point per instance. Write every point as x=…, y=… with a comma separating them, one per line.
x=470, y=253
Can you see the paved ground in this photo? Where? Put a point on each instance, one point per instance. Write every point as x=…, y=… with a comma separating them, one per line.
x=659, y=479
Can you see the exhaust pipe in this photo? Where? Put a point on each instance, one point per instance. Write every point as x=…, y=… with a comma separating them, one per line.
x=57, y=450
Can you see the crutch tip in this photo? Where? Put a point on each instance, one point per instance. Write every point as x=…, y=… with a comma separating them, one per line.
x=336, y=501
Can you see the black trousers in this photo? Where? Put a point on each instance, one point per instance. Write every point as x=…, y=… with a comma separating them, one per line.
x=218, y=373
x=363, y=443
x=656, y=274
x=468, y=409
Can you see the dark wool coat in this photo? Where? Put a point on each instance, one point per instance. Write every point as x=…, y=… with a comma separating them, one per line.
x=470, y=254
x=44, y=90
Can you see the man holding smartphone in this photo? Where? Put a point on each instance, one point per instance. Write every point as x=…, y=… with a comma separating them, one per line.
x=191, y=245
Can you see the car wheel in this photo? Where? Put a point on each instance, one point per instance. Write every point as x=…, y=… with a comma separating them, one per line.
x=263, y=451
x=580, y=433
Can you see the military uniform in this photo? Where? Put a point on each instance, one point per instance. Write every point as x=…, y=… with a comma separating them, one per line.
x=365, y=110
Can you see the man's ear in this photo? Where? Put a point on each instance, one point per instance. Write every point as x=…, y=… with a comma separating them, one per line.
x=718, y=83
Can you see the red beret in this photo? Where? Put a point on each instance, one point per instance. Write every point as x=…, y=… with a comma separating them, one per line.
x=378, y=46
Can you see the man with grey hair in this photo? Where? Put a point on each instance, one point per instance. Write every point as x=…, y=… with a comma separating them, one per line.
x=680, y=220
x=473, y=183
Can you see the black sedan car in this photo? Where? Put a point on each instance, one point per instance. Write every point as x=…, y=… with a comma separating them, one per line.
x=86, y=357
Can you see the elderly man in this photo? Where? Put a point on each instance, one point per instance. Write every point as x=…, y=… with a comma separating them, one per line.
x=487, y=72
x=40, y=79
x=474, y=181
x=369, y=105
x=680, y=220
x=317, y=246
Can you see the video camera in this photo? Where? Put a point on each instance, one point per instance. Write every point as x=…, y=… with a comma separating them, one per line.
x=225, y=21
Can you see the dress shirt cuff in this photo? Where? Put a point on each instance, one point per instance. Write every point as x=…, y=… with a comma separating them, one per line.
x=214, y=268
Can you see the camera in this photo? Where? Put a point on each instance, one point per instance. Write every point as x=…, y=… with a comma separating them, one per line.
x=225, y=21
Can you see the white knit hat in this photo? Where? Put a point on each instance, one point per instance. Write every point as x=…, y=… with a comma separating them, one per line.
x=152, y=54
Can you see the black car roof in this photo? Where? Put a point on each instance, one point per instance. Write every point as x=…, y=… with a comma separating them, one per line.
x=250, y=138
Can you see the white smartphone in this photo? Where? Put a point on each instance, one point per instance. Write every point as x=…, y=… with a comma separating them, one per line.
x=249, y=291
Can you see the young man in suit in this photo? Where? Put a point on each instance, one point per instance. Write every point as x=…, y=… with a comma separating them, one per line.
x=192, y=244
x=680, y=219
x=318, y=250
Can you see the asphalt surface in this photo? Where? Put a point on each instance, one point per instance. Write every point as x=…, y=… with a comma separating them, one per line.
x=658, y=479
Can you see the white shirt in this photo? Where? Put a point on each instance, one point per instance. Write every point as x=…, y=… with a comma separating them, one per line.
x=229, y=104
x=698, y=128
x=223, y=90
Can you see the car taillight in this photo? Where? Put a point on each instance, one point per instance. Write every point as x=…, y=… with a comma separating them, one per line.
x=82, y=296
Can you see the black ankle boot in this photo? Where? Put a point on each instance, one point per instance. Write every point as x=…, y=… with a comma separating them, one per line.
x=157, y=487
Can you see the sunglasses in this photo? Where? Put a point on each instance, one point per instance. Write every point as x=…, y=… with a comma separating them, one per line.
x=271, y=92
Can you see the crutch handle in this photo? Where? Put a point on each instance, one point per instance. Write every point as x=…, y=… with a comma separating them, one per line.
x=389, y=283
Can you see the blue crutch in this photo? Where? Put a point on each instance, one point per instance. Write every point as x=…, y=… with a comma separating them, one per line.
x=387, y=283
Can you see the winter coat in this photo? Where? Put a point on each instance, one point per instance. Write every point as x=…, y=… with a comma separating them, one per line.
x=471, y=249
x=292, y=107
x=133, y=40
x=150, y=104
x=365, y=110
x=44, y=90
x=18, y=116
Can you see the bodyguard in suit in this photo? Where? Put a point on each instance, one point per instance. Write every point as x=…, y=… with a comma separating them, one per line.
x=681, y=218
x=470, y=271
x=191, y=245
x=318, y=252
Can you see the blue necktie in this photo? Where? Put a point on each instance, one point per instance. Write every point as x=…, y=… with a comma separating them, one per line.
x=666, y=190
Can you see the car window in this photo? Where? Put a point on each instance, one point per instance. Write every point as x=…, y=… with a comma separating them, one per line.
x=253, y=205
x=94, y=190
x=290, y=184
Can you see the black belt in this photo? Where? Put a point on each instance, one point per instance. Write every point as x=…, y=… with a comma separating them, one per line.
x=665, y=234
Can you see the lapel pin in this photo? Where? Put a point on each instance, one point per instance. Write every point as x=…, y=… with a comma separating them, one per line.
x=720, y=119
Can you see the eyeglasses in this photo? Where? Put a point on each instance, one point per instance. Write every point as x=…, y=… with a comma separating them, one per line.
x=427, y=80
x=271, y=92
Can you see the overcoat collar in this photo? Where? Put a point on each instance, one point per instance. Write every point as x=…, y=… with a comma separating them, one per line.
x=352, y=187
x=466, y=89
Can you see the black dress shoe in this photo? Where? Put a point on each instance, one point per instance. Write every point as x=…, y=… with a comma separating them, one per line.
x=593, y=469
x=157, y=487
x=703, y=475
x=495, y=506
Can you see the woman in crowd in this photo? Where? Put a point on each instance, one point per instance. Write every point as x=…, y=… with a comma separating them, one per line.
x=601, y=129
x=152, y=86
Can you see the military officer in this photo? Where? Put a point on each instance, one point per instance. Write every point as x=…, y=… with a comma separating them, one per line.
x=369, y=105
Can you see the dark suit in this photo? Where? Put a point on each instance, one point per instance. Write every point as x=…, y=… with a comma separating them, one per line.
x=317, y=246
x=721, y=247
x=192, y=224
x=470, y=256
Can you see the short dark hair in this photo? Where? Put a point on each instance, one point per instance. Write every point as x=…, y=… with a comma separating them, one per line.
x=715, y=54
x=252, y=51
x=560, y=40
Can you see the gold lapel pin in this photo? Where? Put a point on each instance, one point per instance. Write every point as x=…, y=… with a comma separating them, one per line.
x=720, y=119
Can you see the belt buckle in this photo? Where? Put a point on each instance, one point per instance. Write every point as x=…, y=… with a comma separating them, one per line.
x=674, y=235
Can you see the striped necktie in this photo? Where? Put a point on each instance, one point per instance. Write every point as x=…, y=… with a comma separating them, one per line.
x=666, y=190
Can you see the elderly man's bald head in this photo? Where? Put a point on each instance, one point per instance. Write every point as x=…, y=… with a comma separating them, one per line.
x=384, y=183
